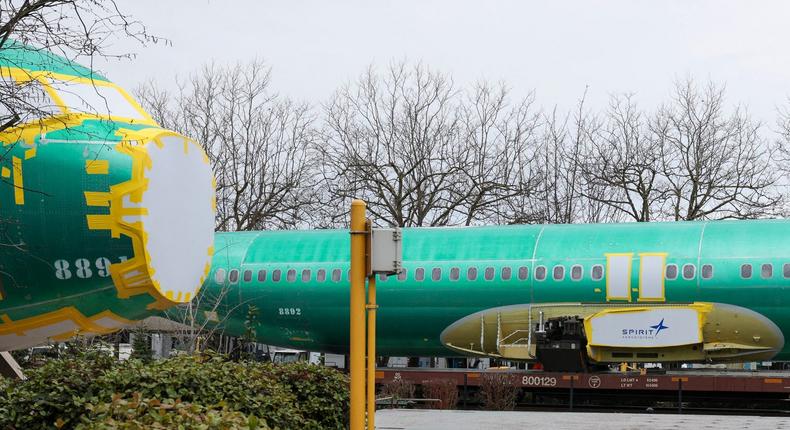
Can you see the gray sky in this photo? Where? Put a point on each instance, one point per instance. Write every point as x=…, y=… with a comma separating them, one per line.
x=554, y=47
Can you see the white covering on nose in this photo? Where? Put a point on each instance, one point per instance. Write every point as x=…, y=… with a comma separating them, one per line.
x=179, y=225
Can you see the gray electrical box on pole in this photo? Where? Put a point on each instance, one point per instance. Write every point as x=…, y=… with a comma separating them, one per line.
x=386, y=251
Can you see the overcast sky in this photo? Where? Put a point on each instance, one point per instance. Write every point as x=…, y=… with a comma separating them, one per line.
x=554, y=47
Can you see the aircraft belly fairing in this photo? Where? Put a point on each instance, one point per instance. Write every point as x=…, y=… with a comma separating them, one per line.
x=613, y=333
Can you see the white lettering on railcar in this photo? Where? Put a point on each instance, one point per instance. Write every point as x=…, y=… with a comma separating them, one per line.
x=539, y=381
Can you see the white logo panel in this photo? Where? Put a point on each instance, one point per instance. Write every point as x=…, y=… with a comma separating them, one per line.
x=659, y=327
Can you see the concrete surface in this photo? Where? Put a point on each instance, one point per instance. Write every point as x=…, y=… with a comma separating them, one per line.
x=425, y=419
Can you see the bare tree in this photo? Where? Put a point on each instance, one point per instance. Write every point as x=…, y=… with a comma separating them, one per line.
x=500, y=141
x=622, y=163
x=392, y=141
x=717, y=165
x=782, y=153
x=559, y=198
x=554, y=200
x=260, y=144
x=423, y=153
x=205, y=317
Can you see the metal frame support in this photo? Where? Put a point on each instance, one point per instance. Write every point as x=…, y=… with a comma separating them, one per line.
x=9, y=367
x=357, y=315
x=680, y=380
x=362, y=371
x=571, y=378
x=371, y=388
x=366, y=243
x=570, y=400
x=680, y=395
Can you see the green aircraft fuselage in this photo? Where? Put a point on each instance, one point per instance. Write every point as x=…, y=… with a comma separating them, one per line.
x=288, y=277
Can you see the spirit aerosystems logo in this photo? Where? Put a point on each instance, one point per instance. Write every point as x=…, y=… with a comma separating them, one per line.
x=650, y=332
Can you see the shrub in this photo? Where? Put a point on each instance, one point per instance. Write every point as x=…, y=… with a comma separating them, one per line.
x=137, y=413
x=443, y=389
x=250, y=388
x=58, y=389
x=498, y=392
x=398, y=389
x=66, y=392
x=321, y=393
x=141, y=346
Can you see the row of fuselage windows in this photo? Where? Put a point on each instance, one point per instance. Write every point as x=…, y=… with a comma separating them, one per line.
x=688, y=271
x=672, y=271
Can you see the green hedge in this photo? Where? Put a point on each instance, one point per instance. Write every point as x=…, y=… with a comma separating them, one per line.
x=96, y=392
x=139, y=414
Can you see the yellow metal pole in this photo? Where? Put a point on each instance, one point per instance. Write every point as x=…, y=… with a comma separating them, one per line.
x=357, y=315
x=372, y=352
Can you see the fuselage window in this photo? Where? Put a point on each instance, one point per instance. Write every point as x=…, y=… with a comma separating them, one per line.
x=419, y=274
x=707, y=271
x=247, y=275
x=306, y=275
x=320, y=275
x=276, y=274
x=336, y=275
x=597, y=272
x=455, y=273
x=436, y=274
x=688, y=271
x=746, y=271
x=786, y=270
x=506, y=273
x=523, y=273
x=672, y=272
x=558, y=273
x=489, y=273
x=261, y=275
x=233, y=277
x=540, y=273
x=402, y=274
x=219, y=276
x=290, y=275
x=767, y=270
x=471, y=274
x=576, y=272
